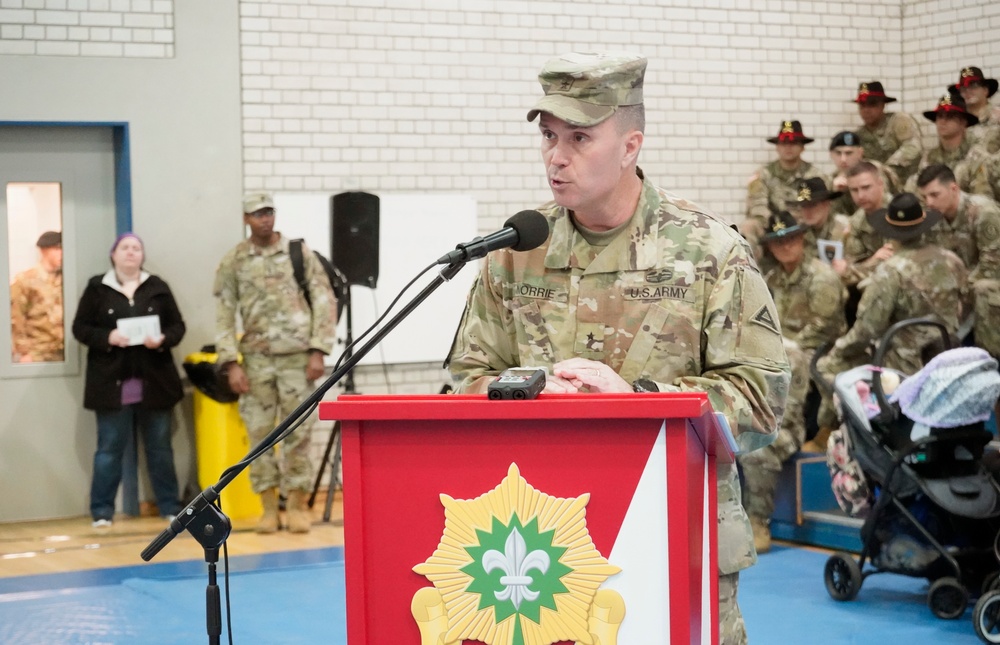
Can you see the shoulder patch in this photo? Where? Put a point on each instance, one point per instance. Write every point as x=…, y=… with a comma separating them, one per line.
x=765, y=318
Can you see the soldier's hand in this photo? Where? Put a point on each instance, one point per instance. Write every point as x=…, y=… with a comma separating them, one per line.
x=884, y=253
x=840, y=266
x=314, y=369
x=840, y=183
x=238, y=381
x=593, y=376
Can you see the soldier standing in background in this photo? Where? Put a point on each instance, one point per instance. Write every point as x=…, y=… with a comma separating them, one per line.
x=775, y=183
x=283, y=344
x=36, y=306
x=976, y=91
x=810, y=302
x=956, y=149
x=889, y=138
x=608, y=324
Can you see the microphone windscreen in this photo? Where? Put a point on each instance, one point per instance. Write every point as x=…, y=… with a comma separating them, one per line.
x=532, y=230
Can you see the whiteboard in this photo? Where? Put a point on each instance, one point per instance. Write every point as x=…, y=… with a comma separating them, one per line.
x=414, y=230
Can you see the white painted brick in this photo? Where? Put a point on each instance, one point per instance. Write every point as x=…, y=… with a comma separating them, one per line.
x=93, y=19
x=11, y=32
x=11, y=4
x=34, y=32
x=56, y=33
x=17, y=47
x=150, y=21
x=58, y=5
x=34, y=4
x=53, y=48
x=11, y=16
x=100, y=5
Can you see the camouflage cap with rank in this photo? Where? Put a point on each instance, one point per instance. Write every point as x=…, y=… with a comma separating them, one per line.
x=585, y=89
x=782, y=226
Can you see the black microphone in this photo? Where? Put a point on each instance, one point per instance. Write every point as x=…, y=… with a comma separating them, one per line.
x=522, y=232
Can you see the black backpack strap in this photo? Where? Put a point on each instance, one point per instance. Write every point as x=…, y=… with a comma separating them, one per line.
x=299, y=267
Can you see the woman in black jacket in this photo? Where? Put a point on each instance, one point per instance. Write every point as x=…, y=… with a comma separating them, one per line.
x=131, y=381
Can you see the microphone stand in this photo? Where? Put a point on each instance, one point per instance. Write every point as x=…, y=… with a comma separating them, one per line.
x=203, y=518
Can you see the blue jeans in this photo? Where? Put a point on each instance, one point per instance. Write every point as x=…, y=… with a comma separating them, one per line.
x=113, y=429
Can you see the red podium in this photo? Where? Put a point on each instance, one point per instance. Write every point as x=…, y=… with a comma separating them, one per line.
x=585, y=518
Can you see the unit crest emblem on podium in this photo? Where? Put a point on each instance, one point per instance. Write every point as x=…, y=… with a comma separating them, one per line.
x=517, y=566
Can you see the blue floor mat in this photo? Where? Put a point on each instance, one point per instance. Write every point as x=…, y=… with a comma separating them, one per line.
x=784, y=600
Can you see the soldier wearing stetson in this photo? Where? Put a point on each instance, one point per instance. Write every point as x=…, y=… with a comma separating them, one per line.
x=813, y=208
x=920, y=280
x=955, y=148
x=846, y=151
x=889, y=138
x=774, y=184
x=976, y=90
x=809, y=299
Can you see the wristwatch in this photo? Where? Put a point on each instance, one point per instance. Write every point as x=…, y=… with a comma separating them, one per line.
x=644, y=385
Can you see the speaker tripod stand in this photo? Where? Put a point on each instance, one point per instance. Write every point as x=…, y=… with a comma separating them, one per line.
x=343, y=292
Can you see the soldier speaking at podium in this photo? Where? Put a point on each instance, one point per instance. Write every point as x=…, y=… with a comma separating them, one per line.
x=638, y=289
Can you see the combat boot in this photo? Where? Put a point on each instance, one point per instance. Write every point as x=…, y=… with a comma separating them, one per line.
x=299, y=517
x=761, y=534
x=269, y=521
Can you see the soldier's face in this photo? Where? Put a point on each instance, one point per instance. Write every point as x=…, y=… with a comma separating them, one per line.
x=974, y=94
x=789, y=152
x=844, y=157
x=586, y=166
x=788, y=251
x=52, y=257
x=949, y=126
x=942, y=197
x=261, y=223
x=866, y=191
x=814, y=214
x=871, y=111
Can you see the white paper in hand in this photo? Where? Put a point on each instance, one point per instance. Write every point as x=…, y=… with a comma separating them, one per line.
x=138, y=328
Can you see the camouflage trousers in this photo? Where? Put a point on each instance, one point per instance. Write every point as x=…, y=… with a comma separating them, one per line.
x=277, y=386
x=987, y=308
x=762, y=467
x=732, y=631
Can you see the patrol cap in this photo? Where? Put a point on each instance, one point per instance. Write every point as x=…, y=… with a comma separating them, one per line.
x=49, y=239
x=782, y=226
x=845, y=138
x=254, y=202
x=584, y=89
x=904, y=219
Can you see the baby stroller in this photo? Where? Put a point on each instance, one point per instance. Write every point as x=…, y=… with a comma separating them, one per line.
x=937, y=507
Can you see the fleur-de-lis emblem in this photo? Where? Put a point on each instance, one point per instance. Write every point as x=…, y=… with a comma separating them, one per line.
x=787, y=127
x=805, y=194
x=516, y=562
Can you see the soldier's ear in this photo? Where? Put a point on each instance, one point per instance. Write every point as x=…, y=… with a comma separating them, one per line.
x=633, y=143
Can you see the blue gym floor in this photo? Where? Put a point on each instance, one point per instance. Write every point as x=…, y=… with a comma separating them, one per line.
x=297, y=597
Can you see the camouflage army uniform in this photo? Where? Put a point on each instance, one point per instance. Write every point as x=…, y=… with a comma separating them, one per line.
x=279, y=329
x=36, y=315
x=974, y=235
x=919, y=280
x=836, y=228
x=769, y=190
x=844, y=205
x=675, y=297
x=969, y=163
x=894, y=142
x=860, y=245
x=987, y=132
x=810, y=304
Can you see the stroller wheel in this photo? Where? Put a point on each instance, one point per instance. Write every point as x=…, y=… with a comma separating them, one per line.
x=947, y=598
x=990, y=582
x=986, y=617
x=842, y=576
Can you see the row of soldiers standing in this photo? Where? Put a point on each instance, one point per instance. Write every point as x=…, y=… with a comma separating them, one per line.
x=899, y=232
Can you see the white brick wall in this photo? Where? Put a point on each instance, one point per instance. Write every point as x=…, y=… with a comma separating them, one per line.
x=108, y=28
x=427, y=95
